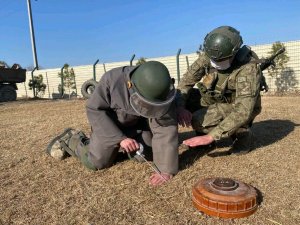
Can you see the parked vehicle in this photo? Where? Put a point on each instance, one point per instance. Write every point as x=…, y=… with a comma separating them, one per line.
x=9, y=77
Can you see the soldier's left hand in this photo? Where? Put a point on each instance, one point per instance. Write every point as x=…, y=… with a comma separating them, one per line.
x=199, y=140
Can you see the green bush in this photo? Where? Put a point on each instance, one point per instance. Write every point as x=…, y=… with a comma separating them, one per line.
x=38, y=85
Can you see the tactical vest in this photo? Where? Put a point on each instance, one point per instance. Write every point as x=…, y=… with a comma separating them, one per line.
x=219, y=86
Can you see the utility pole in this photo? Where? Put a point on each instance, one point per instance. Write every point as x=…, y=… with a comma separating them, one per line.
x=36, y=64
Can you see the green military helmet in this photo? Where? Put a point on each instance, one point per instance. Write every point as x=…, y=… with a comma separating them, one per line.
x=154, y=90
x=152, y=80
x=222, y=43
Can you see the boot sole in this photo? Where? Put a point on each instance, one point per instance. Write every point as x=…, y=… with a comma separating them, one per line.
x=50, y=145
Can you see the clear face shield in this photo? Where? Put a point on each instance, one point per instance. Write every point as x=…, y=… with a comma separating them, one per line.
x=151, y=109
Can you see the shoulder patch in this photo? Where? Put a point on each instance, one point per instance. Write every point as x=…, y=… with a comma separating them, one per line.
x=244, y=87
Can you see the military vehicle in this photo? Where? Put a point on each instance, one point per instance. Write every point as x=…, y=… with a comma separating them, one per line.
x=9, y=77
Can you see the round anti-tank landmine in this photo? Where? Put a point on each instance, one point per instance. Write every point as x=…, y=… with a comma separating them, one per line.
x=224, y=197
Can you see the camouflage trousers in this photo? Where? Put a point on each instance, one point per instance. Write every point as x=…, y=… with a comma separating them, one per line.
x=206, y=118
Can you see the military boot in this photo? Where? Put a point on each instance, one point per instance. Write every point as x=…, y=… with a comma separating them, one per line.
x=243, y=141
x=71, y=143
x=55, y=148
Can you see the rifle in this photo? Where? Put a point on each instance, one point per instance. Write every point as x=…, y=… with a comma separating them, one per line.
x=265, y=63
x=270, y=61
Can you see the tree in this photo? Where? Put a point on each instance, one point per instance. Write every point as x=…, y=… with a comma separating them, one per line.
x=68, y=79
x=38, y=85
x=280, y=61
x=141, y=61
x=285, y=79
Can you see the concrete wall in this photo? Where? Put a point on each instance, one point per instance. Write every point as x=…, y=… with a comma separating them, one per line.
x=84, y=73
x=293, y=52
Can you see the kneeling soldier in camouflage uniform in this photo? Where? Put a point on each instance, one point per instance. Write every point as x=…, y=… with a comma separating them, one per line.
x=227, y=97
x=130, y=105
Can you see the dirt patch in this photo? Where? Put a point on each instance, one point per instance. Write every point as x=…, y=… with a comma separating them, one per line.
x=36, y=189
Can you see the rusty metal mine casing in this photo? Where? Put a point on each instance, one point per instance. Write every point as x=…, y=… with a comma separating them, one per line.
x=224, y=197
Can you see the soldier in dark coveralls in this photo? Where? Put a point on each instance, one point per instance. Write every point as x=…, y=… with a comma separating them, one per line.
x=227, y=95
x=130, y=105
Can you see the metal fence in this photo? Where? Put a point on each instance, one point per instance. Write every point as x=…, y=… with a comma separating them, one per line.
x=177, y=65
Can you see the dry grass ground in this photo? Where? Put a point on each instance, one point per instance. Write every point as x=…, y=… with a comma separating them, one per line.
x=36, y=189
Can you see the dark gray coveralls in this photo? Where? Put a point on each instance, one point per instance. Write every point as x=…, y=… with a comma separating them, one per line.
x=113, y=119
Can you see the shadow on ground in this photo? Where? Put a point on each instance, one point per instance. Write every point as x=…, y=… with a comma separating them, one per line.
x=269, y=131
x=266, y=132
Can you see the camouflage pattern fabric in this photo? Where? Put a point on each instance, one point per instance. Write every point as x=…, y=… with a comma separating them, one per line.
x=230, y=101
x=193, y=75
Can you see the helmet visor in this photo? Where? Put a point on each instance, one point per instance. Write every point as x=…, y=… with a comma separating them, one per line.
x=150, y=109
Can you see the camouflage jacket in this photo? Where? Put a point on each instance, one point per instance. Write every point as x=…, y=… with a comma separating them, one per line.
x=239, y=86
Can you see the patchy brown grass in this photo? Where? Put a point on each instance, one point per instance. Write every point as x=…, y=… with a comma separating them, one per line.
x=36, y=189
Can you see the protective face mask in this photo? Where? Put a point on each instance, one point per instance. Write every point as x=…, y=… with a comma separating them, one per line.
x=223, y=65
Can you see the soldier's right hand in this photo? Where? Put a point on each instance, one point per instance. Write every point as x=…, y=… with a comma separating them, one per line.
x=129, y=145
x=184, y=117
